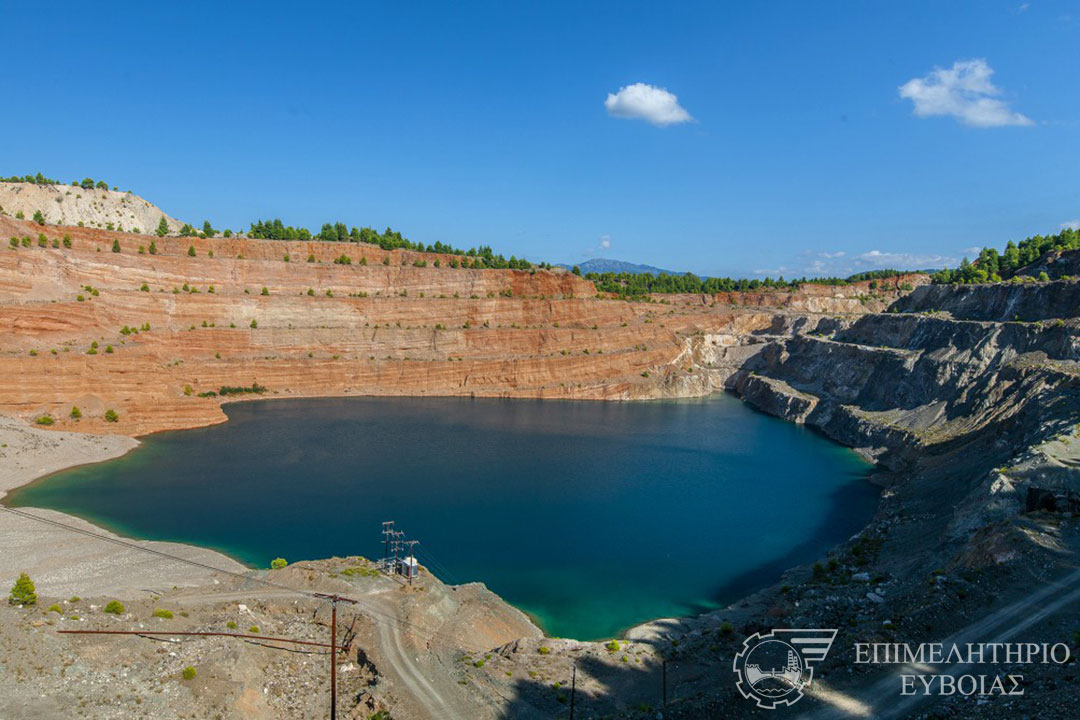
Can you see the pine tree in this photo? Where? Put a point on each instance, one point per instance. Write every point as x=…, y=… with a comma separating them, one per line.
x=116, y=246
x=162, y=227
x=23, y=591
x=191, y=251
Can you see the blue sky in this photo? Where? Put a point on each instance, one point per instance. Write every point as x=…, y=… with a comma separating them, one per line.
x=763, y=137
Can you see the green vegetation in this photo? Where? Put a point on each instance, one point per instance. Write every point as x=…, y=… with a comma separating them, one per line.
x=254, y=629
x=116, y=246
x=111, y=416
x=191, y=251
x=231, y=625
x=38, y=179
x=163, y=613
x=39, y=218
x=115, y=607
x=44, y=420
x=190, y=673
x=479, y=257
x=75, y=413
x=612, y=646
x=278, y=563
x=991, y=266
x=543, y=650
x=229, y=390
x=23, y=591
x=630, y=285
x=162, y=229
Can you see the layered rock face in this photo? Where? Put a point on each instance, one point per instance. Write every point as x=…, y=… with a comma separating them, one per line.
x=379, y=324
x=980, y=383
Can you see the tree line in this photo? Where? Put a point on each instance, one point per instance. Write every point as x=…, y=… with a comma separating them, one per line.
x=389, y=239
x=639, y=285
x=992, y=266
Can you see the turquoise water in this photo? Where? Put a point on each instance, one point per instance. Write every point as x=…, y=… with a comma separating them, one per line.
x=592, y=517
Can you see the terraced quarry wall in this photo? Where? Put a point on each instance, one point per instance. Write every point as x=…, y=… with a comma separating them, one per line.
x=336, y=329
x=975, y=388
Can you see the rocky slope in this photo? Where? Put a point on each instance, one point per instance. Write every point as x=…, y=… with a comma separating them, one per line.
x=291, y=317
x=74, y=205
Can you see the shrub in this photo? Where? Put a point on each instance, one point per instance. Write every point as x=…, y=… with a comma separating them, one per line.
x=144, y=287
x=311, y=257
x=544, y=650
x=231, y=625
x=23, y=591
x=39, y=218
x=264, y=291
x=42, y=241
x=285, y=257
x=278, y=563
x=45, y=420
x=111, y=416
x=254, y=629
x=254, y=324
x=67, y=241
x=191, y=251
x=76, y=413
x=612, y=646
x=116, y=246
x=190, y=673
x=163, y=613
x=14, y=242
x=115, y=607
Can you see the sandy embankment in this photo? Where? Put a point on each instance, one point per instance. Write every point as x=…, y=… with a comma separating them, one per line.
x=62, y=562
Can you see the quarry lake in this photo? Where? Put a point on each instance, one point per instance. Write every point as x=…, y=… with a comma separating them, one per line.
x=591, y=516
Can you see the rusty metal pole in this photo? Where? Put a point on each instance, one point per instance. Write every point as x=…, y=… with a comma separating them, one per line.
x=333, y=660
x=334, y=600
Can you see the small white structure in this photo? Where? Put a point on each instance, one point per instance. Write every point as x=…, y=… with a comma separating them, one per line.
x=408, y=567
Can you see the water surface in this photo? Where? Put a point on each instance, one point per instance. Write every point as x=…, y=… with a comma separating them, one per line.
x=592, y=517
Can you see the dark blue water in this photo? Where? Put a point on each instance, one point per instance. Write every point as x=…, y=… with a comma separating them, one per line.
x=592, y=517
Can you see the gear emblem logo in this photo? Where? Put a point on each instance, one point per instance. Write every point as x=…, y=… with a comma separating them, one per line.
x=774, y=667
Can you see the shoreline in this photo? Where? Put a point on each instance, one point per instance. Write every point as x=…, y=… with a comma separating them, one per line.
x=111, y=447
x=64, y=563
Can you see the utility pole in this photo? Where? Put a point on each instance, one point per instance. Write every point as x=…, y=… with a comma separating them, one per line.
x=412, y=556
x=388, y=532
x=573, y=689
x=334, y=600
x=663, y=674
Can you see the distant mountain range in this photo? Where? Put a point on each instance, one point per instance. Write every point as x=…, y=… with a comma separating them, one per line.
x=601, y=265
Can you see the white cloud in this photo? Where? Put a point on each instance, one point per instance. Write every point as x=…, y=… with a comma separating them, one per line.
x=1071, y=225
x=656, y=105
x=964, y=92
x=876, y=259
x=603, y=244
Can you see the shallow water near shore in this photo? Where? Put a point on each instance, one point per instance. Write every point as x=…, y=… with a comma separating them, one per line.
x=592, y=517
